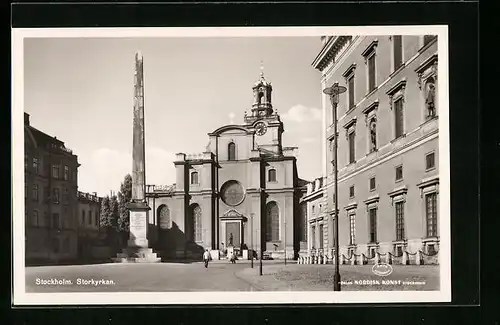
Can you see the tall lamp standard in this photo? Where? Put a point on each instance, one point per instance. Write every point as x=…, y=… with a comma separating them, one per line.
x=251, y=238
x=334, y=92
x=285, y=240
x=260, y=248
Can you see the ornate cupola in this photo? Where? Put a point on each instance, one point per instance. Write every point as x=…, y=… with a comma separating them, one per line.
x=262, y=90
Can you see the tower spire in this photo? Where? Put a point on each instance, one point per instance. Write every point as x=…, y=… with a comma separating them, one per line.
x=262, y=69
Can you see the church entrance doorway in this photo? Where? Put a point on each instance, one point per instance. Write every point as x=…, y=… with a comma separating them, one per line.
x=233, y=233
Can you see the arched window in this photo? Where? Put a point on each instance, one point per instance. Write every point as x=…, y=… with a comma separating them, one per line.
x=231, y=151
x=272, y=175
x=164, y=217
x=272, y=222
x=196, y=219
x=194, y=178
x=261, y=97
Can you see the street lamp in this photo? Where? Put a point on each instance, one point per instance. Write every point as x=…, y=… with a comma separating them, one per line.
x=334, y=92
x=251, y=239
x=285, y=239
x=260, y=248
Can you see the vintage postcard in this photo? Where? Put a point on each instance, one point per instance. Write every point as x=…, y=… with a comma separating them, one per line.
x=254, y=165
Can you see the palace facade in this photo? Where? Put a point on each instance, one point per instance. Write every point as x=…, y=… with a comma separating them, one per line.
x=242, y=191
x=388, y=153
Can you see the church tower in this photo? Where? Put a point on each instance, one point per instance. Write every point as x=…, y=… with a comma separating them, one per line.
x=264, y=119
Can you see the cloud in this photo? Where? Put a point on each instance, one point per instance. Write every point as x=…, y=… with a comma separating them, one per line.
x=300, y=113
x=106, y=169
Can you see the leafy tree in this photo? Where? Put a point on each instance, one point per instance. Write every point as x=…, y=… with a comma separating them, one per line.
x=114, y=212
x=124, y=197
x=105, y=220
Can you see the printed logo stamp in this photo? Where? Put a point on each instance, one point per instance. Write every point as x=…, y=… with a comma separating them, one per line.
x=382, y=269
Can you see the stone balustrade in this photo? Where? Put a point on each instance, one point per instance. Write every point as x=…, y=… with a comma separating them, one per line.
x=407, y=258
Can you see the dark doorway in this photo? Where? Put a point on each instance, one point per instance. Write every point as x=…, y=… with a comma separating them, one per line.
x=233, y=228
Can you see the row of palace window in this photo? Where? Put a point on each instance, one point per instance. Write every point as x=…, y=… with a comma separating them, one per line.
x=430, y=164
x=372, y=128
x=88, y=220
x=397, y=105
x=55, y=169
x=36, y=194
x=399, y=207
x=271, y=177
x=370, y=59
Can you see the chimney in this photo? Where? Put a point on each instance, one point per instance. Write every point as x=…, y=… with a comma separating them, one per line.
x=26, y=119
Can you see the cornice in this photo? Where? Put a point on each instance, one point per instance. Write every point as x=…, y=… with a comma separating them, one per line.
x=350, y=123
x=329, y=51
x=399, y=85
x=351, y=206
x=433, y=59
x=370, y=48
x=349, y=70
x=371, y=107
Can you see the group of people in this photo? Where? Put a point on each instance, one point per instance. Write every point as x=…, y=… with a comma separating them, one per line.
x=207, y=257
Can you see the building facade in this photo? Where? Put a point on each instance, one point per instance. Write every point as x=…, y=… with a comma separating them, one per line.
x=89, y=215
x=316, y=210
x=388, y=153
x=51, y=185
x=243, y=191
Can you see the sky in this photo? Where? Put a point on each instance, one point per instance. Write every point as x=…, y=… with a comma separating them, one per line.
x=81, y=91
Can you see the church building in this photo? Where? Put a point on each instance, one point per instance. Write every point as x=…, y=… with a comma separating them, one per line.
x=242, y=191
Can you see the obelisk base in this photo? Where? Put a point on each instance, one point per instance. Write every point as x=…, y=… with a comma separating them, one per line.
x=138, y=250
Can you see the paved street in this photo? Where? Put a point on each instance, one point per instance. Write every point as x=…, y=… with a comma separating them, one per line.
x=222, y=276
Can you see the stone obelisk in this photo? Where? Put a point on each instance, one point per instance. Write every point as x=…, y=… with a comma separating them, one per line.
x=138, y=246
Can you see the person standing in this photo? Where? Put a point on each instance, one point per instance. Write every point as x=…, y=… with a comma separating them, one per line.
x=206, y=258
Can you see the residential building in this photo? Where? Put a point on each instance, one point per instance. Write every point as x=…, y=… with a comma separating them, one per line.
x=317, y=222
x=51, y=184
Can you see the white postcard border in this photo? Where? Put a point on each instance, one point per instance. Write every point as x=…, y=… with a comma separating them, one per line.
x=20, y=297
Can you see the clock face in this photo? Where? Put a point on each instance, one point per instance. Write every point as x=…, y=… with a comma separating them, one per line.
x=260, y=128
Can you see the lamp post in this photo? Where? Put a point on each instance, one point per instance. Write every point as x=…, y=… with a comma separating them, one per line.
x=251, y=239
x=334, y=92
x=260, y=248
x=285, y=239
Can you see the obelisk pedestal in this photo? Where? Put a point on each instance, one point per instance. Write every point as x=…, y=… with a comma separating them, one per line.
x=139, y=220
x=138, y=246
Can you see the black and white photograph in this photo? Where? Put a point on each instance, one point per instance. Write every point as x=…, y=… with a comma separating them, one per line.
x=251, y=165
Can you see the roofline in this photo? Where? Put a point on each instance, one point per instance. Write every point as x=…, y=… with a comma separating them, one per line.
x=229, y=127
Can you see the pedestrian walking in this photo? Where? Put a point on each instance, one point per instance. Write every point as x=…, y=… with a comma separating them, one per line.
x=206, y=258
x=233, y=258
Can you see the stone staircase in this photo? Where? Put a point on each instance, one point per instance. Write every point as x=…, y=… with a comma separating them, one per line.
x=137, y=255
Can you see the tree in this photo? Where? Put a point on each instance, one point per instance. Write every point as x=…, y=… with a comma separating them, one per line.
x=124, y=197
x=114, y=212
x=105, y=220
